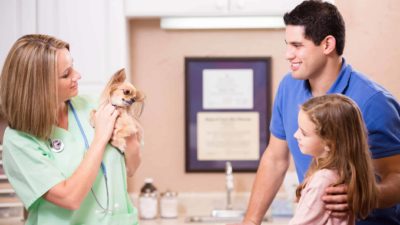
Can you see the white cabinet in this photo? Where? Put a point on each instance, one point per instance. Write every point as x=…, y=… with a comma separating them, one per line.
x=262, y=7
x=11, y=208
x=160, y=8
x=95, y=29
x=16, y=18
x=163, y=8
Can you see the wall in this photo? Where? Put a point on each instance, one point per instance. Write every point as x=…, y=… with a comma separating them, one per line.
x=372, y=28
x=157, y=66
x=96, y=32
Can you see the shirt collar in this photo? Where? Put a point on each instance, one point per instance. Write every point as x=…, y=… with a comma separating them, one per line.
x=341, y=83
x=342, y=80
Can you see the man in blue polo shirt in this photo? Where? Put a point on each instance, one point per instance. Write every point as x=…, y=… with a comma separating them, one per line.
x=315, y=37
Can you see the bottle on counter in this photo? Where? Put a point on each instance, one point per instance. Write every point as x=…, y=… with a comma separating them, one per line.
x=148, y=200
x=169, y=204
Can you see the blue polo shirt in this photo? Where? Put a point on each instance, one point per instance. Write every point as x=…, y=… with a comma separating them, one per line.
x=381, y=112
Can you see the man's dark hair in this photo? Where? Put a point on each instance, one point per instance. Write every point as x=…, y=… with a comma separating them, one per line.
x=319, y=19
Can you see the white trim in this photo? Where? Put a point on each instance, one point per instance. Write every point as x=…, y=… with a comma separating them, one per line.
x=7, y=191
x=246, y=22
x=10, y=204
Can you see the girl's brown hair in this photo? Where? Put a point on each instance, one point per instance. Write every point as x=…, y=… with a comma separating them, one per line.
x=28, y=84
x=339, y=123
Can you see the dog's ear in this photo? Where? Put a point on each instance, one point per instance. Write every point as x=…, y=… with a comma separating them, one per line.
x=140, y=96
x=136, y=109
x=118, y=77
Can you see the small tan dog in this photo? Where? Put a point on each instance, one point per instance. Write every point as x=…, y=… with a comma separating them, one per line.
x=129, y=101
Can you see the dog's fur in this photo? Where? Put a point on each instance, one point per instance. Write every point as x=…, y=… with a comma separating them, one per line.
x=129, y=101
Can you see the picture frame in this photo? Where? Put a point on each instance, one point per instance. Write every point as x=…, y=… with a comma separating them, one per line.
x=227, y=112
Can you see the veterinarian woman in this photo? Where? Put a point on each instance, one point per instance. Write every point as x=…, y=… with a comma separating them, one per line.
x=61, y=168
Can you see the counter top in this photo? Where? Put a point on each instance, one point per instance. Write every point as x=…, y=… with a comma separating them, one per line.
x=181, y=221
x=202, y=204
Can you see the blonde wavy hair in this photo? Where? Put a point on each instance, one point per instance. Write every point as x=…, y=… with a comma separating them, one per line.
x=28, y=84
x=340, y=124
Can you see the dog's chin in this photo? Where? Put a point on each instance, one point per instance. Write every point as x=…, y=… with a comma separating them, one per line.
x=122, y=104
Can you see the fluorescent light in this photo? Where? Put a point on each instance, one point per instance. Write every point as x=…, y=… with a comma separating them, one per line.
x=246, y=22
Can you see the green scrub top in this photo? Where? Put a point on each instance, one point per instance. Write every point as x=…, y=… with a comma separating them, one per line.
x=33, y=168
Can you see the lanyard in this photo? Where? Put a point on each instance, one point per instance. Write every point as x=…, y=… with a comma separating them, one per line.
x=103, y=167
x=85, y=140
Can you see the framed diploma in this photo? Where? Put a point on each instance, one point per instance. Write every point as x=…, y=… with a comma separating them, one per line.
x=227, y=112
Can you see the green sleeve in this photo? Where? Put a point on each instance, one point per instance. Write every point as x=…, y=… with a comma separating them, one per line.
x=29, y=166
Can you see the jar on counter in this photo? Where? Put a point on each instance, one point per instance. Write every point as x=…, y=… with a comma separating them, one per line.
x=148, y=200
x=169, y=204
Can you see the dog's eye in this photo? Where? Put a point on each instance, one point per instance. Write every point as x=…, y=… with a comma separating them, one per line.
x=126, y=92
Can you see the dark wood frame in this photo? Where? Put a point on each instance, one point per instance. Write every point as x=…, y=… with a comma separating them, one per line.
x=193, y=99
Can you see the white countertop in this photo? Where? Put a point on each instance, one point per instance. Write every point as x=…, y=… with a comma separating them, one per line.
x=181, y=221
x=202, y=204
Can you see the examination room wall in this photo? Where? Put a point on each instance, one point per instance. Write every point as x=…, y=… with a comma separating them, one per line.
x=157, y=67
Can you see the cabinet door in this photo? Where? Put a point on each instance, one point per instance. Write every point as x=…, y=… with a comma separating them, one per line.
x=262, y=7
x=161, y=8
x=95, y=29
x=16, y=19
x=96, y=32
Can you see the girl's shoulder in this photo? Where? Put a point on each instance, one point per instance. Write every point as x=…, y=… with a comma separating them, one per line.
x=327, y=173
x=323, y=177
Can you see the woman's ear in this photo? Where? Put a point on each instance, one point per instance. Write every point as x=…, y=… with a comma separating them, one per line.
x=326, y=148
x=329, y=44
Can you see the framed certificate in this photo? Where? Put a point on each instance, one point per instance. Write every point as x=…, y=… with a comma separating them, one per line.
x=227, y=112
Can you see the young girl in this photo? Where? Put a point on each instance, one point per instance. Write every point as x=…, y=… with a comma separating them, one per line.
x=332, y=131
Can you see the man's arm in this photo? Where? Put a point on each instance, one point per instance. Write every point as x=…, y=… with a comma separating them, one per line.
x=381, y=115
x=335, y=199
x=270, y=174
x=388, y=169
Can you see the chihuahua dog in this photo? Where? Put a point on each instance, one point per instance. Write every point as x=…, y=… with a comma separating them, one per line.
x=129, y=101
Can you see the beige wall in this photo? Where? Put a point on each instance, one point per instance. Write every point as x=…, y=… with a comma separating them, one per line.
x=157, y=66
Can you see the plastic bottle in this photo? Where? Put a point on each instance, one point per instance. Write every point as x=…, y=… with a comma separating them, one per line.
x=169, y=204
x=148, y=200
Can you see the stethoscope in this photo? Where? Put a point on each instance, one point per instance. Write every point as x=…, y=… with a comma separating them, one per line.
x=57, y=146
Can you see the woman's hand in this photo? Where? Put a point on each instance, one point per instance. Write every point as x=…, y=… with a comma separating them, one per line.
x=132, y=154
x=71, y=192
x=105, y=118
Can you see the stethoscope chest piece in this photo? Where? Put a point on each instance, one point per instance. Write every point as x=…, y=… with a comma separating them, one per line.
x=56, y=145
